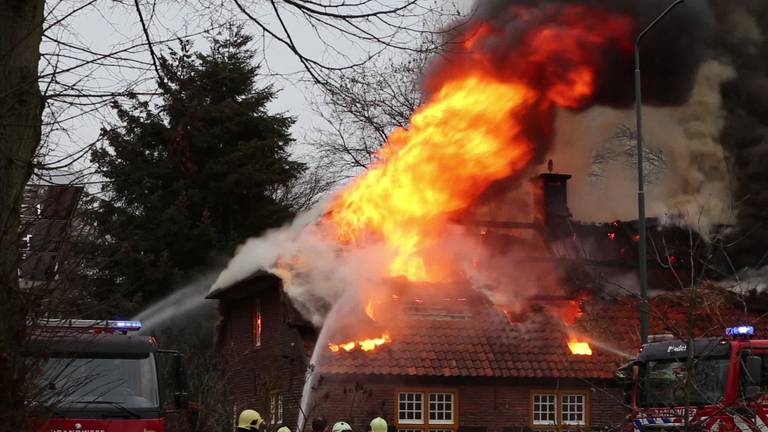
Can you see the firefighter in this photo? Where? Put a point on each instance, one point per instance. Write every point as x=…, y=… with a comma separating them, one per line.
x=319, y=424
x=249, y=420
x=341, y=426
x=378, y=425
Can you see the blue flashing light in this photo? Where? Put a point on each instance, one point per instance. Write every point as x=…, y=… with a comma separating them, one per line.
x=125, y=325
x=743, y=330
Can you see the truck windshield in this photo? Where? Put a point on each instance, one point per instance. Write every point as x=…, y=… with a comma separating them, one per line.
x=663, y=383
x=95, y=382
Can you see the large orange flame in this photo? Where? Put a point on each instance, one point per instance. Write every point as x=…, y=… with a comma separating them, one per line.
x=456, y=145
x=476, y=128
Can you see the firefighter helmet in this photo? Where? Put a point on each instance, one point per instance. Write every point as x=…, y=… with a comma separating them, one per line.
x=250, y=420
x=378, y=425
x=341, y=427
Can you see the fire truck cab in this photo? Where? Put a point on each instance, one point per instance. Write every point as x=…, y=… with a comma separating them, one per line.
x=98, y=376
x=717, y=384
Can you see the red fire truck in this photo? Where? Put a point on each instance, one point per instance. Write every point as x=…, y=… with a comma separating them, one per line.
x=100, y=376
x=716, y=384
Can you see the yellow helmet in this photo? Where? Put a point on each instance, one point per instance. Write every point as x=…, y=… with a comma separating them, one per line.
x=249, y=419
x=284, y=429
x=378, y=425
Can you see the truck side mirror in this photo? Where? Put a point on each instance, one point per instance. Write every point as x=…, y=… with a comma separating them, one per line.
x=753, y=365
x=751, y=392
x=180, y=396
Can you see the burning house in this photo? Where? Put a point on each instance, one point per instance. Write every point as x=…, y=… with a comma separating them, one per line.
x=441, y=358
x=415, y=295
x=430, y=358
x=434, y=356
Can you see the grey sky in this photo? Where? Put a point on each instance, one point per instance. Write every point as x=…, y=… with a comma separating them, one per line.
x=104, y=27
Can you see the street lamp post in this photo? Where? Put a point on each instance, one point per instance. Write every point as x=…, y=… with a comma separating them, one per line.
x=642, y=253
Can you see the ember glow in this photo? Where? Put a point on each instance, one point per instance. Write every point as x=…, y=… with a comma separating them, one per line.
x=570, y=312
x=479, y=125
x=579, y=348
x=349, y=346
x=364, y=344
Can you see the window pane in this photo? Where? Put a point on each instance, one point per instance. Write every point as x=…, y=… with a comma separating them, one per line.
x=441, y=408
x=543, y=409
x=573, y=409
x=411, y=408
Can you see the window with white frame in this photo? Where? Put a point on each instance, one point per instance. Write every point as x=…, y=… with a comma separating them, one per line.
x=410, y=408
x=441, y=408
x=573, y=409
x=559, y=408
x=544, y=409
x=433, y=411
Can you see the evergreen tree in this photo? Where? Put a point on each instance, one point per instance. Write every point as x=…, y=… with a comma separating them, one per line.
x=192, y=176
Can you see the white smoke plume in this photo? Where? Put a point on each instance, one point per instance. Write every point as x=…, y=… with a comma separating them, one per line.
x=317, y=271
x=693, y=186
x=262, y=252
x=747, y=281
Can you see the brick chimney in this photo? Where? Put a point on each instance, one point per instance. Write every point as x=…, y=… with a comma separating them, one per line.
x=551, y=203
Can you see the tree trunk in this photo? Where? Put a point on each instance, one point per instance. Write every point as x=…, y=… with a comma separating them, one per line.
x=21, y=23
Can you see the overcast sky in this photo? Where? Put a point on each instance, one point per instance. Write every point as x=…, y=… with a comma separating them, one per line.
x=106, y=26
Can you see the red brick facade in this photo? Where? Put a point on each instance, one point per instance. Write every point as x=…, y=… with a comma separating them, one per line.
x=490, y=405
x=273, y=370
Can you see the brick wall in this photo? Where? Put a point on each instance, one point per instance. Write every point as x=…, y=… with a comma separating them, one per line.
x=276, y=367
x=496, y=405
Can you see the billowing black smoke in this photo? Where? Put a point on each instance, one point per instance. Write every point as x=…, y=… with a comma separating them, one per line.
x=671, y=53
x=743, y=42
